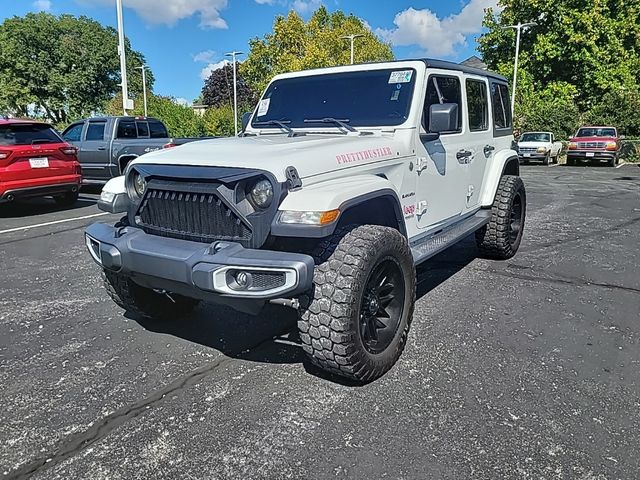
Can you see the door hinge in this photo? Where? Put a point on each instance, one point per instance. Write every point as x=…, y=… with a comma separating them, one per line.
x=421, y=164
x=470, y=191
x=422, y=208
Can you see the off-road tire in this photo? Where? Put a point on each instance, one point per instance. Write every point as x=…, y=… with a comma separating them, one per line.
x=499, y=239
x=144, y=302
x=67, y=199
x=330, y=314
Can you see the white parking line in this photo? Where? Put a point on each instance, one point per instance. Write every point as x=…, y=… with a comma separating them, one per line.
x=622, y=164
x=29, y=227
x=554, y=165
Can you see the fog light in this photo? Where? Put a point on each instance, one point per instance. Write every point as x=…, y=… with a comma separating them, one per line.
x=243, y=279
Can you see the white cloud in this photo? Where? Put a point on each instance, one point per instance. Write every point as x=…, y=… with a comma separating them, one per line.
x=205, y=56
x=438, y=36
x=306, y=6
x=209, y=69
x=169, y=12
x=265, y=2
x=183, y=101
x=42, y=5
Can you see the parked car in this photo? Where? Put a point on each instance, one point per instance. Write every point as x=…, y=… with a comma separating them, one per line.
x=539, y=146
x=36, y=162
x=343, y=180
x=595, y=143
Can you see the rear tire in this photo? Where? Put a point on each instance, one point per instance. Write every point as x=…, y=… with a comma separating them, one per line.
x=355, y=320
x=143, y=301
x=501, y=238
x=67, y=199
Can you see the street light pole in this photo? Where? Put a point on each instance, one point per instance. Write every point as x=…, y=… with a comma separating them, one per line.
x=144, y=87
x=352, y=38
x=123, y=58
x=235, y=90
x=518, y=29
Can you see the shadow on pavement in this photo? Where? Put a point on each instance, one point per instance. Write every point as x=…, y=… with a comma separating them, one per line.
x=272, y=336
x=39, y=206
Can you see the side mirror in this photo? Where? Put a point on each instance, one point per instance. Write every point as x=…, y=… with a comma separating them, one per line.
x=443, y=118
x=246, y=117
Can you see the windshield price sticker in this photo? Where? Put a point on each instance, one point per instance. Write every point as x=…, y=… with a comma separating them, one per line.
x=263, y=107
x=403, y=76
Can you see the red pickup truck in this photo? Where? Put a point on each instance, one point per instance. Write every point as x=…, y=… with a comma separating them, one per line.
x=36, y=162
x=594, y=143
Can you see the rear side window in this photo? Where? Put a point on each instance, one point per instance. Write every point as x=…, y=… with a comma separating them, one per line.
x=501, y=107
x=27, y=134
x=478, y=106
x=158, y=130
x=143, y=129
x=95, y=131
x=127, y=129
x=73, y=133
x=442, y=89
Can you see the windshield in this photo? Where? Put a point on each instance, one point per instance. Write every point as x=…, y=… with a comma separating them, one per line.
x=535, y=137
x=357, y=99
x=27, y=134
x=596, y=132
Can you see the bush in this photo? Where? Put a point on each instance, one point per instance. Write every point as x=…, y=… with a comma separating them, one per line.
x=218, y=121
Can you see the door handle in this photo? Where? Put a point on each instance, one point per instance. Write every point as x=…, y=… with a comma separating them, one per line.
x=488, y=149
x=463, y=154
x=102, y=148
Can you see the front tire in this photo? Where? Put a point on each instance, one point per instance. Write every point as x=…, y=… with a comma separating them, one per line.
x=355, y=320
x=146, y=302
x=501, y=238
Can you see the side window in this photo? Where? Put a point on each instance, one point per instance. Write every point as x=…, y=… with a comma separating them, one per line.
x=127, y=129
x=73, y=133
x=501, y=107
x=95, y=131
x=442, y=89
x=143, y=129
x=478, y=106
x=158, y=130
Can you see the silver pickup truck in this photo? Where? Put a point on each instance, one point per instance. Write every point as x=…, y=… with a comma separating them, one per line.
x=107, y=144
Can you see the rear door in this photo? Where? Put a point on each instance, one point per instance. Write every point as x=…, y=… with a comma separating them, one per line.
x=94, y=153
x=480, y=137
x=35, y=152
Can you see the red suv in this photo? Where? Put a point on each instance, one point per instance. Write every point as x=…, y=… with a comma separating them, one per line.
x=36, y=162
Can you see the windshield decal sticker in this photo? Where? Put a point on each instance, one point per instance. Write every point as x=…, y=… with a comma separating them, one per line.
x=371, y=154
x=395, y=95
x=403, y=76
x=263, y=107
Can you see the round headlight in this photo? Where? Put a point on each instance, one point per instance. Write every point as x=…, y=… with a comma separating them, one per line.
x=139, y=184
x=262, y=193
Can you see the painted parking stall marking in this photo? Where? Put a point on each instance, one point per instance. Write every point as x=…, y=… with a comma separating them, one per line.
x=46, y=224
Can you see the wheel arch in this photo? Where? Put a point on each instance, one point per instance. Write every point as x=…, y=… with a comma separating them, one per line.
x=503, y=163
x=124, y=160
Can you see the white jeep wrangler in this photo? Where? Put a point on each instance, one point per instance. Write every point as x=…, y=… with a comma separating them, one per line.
x=343, y=180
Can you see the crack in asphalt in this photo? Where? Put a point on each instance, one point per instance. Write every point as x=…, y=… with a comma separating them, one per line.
x=559, y=279
x=76, y=443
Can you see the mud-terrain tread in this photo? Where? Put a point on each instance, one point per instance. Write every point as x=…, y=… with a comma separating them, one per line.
x=145, y=302
x=329, y=335
x=493, y=240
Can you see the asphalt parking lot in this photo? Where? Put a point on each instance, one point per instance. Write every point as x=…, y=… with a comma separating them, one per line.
x=528, y=368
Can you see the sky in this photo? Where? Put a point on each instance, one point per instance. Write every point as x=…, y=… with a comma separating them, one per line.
x=184, y=40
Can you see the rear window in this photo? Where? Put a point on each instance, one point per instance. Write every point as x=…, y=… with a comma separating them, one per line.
x=158, y=130
x=27, y=134
x=127, y=129
x=143, y=129
x=501, y=106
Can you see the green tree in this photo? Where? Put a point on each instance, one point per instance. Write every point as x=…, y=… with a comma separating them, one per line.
x=67, y=67
x=218, y=88
x=218, y=121
x=181, y=120
x=298, y=45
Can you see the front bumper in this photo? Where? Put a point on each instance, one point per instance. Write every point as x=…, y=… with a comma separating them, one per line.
x=586, y=155
x=197, y=270
x=524, y=157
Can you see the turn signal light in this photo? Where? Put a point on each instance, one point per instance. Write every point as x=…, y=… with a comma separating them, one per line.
x=573, y=145
x=612, y=146
x=328, y=217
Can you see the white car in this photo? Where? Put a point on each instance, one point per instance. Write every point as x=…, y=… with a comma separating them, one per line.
x=539, y=146
x=343, y=180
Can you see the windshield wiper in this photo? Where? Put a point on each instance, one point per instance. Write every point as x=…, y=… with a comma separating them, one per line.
x=343, y=123
x=283, y=124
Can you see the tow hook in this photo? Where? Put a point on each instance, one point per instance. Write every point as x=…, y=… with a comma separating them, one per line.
x=165, y=293
x=286, y=302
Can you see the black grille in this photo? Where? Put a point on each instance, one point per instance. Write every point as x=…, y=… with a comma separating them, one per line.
x=267, y=281
x=201, y=217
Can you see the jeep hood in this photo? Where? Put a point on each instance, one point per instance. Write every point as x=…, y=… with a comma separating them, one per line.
x=310, y=155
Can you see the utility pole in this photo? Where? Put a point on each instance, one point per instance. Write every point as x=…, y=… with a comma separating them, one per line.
x=126, y=104
x=352, y=38
x=519, y=27
x=235, y=90
x=144, y=87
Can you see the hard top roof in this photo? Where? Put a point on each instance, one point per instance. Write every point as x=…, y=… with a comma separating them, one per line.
x=442, y=64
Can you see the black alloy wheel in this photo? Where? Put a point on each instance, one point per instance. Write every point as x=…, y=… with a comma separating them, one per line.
x=382, y=305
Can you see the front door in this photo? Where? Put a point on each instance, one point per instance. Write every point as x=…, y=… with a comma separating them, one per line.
x=441, y=163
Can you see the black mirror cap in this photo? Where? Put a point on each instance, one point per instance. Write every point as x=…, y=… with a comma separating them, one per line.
x=246, y=117
x=444, y=118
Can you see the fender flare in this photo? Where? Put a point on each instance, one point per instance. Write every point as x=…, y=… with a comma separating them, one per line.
x=343, y=194
x=503, y=163
x=131, y=156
